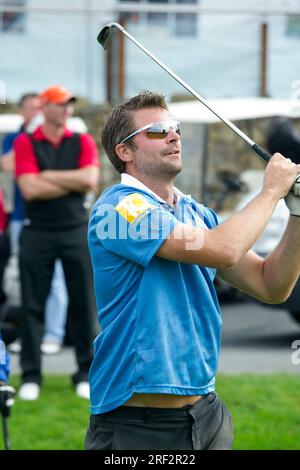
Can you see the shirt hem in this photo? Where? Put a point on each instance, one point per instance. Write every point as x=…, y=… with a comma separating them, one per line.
x=153, y=389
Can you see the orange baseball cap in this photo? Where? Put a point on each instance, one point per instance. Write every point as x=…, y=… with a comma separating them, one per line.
x=56, y=94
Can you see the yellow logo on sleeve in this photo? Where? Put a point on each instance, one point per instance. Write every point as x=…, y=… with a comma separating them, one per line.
x=132, y=206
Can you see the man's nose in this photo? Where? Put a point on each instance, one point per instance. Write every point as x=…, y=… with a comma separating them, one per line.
x=172, y=135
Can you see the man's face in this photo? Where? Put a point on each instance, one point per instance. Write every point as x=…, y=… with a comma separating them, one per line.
x=30, y=109
x=155, y=157
x=57, y=114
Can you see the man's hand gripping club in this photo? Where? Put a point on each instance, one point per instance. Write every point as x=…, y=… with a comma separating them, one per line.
x=288, y=171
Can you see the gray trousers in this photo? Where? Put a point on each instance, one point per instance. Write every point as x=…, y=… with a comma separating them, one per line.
x=205, y=425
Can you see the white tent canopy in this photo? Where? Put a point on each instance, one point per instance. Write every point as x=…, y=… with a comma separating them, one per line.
x=234, y=109
x=12, y=122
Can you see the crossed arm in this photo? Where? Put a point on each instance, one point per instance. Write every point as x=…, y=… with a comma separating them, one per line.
x=32, y=185
x=7, y=162
x=52, y=184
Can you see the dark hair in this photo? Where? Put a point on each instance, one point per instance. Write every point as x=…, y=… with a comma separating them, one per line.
x=25, y=97
x=120, y=123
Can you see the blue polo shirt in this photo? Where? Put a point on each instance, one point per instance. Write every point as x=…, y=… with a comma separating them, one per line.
x=160, y=320
x=7, y=145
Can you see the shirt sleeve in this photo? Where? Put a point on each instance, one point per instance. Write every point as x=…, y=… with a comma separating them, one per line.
x=7, y=143
x=211, y=218
x=134, y=229
x=89, y=152
x=3, y=214
x=25, y=160
x=4, y=362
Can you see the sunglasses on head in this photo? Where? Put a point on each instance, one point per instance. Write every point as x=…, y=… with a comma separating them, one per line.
x=156, y=130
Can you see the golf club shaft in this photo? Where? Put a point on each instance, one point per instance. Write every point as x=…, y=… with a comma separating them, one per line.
x=259, y=150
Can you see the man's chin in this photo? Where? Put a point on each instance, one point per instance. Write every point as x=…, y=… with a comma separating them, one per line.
x=172, y=170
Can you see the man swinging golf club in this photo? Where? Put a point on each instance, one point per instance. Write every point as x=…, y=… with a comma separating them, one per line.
x=155, y=254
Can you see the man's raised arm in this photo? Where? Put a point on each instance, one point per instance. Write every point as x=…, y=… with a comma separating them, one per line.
x=225, y=245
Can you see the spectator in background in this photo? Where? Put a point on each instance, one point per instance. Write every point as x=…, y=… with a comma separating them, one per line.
x=4, y=243
x=55, y=168
x=28, y=109
x=57, y=303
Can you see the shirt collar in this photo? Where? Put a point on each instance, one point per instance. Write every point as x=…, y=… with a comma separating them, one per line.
x=129, y=180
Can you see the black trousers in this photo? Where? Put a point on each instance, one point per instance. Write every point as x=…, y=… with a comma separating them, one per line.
x=205, y=425
x=4, y=254
x=38, y=252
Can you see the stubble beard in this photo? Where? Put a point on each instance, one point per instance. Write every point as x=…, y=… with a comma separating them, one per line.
x=162, y=170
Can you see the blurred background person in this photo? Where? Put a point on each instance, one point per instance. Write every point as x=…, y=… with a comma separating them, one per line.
x=4, y=244
x=57, y=302
x=28, y=108
x=55, y=169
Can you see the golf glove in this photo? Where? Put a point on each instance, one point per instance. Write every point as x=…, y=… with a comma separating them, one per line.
x=7, y=393
x=292, y=199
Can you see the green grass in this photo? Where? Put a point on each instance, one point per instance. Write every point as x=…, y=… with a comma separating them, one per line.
x=57, y=420
x=265, y=410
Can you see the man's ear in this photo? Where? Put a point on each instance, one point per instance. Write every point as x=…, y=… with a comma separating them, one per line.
x=124, y=152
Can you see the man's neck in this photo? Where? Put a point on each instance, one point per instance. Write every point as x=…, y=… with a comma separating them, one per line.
x=53, y=133
x=162, y=188
x=25, y=124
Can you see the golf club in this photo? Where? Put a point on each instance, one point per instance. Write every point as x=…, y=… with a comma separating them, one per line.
x=6, y=402
x=104, y=38
x=5, y=433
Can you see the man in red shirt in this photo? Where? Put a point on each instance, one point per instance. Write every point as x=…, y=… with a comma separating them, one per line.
x=55, y=168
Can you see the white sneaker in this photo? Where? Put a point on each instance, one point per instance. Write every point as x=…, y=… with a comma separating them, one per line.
x=15, y=347
x=50, y=347
x=29, y=391
x=83, y=390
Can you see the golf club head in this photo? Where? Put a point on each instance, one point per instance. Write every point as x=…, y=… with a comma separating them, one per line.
x=105, y=34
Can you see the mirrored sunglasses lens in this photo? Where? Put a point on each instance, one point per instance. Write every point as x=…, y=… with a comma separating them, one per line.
x=156, y=135
x=161, y=129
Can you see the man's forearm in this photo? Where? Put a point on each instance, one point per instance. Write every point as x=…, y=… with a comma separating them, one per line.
x=7, y=162
x=80, y=180
x=33, y=187
x=282, y=267
x=239, y=233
